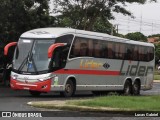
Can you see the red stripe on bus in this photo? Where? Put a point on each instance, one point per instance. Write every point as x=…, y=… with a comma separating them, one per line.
x=88, y=72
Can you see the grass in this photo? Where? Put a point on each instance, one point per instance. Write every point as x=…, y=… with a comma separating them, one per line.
x=139, y=103
x=156, y=77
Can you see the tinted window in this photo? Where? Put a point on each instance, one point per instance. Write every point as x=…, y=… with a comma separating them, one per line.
x=65, y=39
x=110, y=47
x=129, y=52
x=97, y=48
x=112, y=50
x=80, y=48
x=150, y=54
x=135, y=53
x=119, y=51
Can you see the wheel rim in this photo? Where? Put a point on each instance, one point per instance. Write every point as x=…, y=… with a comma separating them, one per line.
x=127, y=90
x=135, y=89
x=68, y=88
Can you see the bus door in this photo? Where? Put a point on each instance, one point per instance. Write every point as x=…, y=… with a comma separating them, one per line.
x=8, y=56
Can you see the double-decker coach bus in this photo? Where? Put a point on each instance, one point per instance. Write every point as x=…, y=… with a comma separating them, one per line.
x=66, y=60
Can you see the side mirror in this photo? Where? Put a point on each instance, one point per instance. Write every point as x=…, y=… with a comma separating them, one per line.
x=53, y=47
x=6, y=48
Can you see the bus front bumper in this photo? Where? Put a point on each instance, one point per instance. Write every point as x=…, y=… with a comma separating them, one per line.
x=42, y=86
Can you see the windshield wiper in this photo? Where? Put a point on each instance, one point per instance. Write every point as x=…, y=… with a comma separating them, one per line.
x=24, y=62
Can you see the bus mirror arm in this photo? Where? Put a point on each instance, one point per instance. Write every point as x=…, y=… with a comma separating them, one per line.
x=53, y=47
x=6, y=48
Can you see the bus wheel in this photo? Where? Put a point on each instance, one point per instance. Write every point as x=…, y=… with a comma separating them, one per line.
x=127, y=88
x=35, y=93
x=136, y=88
x=69, y=89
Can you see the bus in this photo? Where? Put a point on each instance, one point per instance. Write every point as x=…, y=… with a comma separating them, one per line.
x=67, y=60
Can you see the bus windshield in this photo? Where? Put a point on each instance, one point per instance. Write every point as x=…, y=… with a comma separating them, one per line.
x=31, y=55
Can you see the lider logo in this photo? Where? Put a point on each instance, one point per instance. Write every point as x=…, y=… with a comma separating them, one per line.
x=90, y=64
x=133, y=70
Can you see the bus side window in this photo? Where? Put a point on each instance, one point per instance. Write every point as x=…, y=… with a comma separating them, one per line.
x=90, y=48
x=83, y=50
x=104, y=51
x=117, y=51
x=145, y=54
x=150, y=54
x=110, y=50
x=141, y=53
x=135, y=53
x=97, y=49
x=75, y=48
x=122, y=51
x=129, y=52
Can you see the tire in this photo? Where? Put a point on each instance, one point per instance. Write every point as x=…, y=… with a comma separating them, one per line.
x=127, y=88
x=136, y=88
x=35, y=93
x=69, y=89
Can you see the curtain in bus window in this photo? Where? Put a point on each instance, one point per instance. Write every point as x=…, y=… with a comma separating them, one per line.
x=129, y=52
x=97, y=49
x=110, y=50
x=90, y=48
x=75, y=49
x=122, y=51
x=145, y=54
x=141, y=53
x=79, y=48
x=104, y=50
x=135, y=53
x=150, y=54
x=117, y=51
x=83, y=49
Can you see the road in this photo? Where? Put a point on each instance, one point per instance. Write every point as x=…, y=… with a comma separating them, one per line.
x=16, y=101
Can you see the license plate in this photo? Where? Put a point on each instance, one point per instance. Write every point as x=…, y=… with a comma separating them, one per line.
x=25, y=88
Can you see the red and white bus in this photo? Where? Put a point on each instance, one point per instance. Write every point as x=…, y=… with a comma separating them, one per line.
x=66, y=60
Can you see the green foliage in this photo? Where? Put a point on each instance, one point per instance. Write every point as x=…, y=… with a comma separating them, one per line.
x=90, y=15
x=157, y=53
x=136, y=36
x=19, y=16
x=140, y=103
x=155, y=35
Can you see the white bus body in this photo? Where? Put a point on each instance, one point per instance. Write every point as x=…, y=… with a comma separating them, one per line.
x=67, y=60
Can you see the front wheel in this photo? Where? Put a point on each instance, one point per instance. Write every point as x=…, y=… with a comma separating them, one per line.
x=69, y=89
x=35, y=93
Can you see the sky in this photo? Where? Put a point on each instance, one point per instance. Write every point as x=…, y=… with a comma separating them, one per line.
x=147, y=19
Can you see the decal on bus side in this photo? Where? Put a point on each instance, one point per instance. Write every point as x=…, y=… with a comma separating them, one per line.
x=90, y=64
x=133, y=70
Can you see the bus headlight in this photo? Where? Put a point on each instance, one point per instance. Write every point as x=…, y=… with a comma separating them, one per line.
x=14, y=77
x=45, y=78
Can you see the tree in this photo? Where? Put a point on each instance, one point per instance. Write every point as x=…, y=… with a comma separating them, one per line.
x=18, y=16
x=157, y=53
x=84, y=14
x=136, y=36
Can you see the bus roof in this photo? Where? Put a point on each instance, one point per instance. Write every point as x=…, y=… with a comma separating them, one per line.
x=55, y=32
